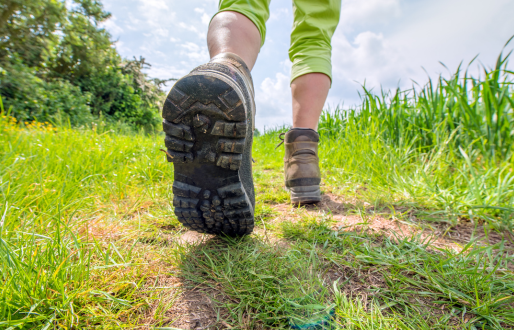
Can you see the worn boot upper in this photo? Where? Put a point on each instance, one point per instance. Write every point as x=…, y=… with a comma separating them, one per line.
x=236, y=63
x=301, y=162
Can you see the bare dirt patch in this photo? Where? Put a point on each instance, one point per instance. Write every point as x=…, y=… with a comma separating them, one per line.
x=464, y=232
x=104, y=228
x=358, y=284
x=193, y=310
x=184, y=306
x=193, y=237
x=440, y=235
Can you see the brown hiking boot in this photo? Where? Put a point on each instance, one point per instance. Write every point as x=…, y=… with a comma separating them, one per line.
x=301, y=165
x=208, y=121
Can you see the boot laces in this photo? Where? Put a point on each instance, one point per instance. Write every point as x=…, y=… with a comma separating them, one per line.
x=281, y=137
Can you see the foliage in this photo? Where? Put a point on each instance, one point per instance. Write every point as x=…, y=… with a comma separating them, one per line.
x=446, y=146
x=476, y=114
x=57, y=63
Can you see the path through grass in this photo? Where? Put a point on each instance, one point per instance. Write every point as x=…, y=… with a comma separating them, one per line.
x=88, y=239
x=409, y=234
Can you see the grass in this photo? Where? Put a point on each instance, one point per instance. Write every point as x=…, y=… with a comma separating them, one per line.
x=436, y=278
x=444, y=146
x=88, y=238
x=57, y=185
x=416, y=288
x=261, y=277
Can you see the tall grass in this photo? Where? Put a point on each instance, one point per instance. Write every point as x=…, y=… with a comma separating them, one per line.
x=447, y=145
x=54, y=183
x=469, y=113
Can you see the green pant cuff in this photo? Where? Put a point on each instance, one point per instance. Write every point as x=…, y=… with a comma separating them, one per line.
x=311, y=65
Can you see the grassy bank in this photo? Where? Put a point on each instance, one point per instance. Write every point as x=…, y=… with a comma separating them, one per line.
x=445, y=150
x=88, y=238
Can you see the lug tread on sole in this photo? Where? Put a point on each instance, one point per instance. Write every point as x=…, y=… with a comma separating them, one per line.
x=180, y=136
x=207, y=125
x=204, y=127
x=226, y=210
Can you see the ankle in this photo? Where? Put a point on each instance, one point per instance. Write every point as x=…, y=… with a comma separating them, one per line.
x=299, y=134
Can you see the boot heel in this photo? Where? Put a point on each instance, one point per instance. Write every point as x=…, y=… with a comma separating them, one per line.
x=305, y=194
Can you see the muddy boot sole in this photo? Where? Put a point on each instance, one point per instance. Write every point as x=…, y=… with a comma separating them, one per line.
x=208, y=138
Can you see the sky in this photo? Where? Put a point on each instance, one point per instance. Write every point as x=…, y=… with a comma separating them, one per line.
x=380, y=43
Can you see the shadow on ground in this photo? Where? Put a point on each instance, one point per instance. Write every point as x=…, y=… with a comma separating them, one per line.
x=371, y=258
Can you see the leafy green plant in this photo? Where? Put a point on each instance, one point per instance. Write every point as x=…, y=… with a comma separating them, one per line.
x=57, y=64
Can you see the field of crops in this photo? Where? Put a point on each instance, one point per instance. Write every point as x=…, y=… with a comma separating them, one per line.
x=415, y=229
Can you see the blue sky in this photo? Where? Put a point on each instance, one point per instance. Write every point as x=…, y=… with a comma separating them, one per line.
x=386, y=43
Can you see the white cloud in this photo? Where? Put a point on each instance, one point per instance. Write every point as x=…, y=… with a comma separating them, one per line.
x=151, y=5
x=156, y=12
x=273, y=100
x=133, y=23
x=206, y=18
x=122, y=48
x=286, y=65
x=456, y=30
x=191, y=46
x=195, y=52
x=450, y=31
x=278, y=14
x=191, y=27
x=111, y=26
x=369, y=58
x=358, y=12
x=167, y=72
x=151, y=51
x=160, y=32
x=149, y=18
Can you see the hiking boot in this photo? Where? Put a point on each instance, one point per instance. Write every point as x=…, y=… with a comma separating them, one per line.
x=301, y=165
x=209, y=120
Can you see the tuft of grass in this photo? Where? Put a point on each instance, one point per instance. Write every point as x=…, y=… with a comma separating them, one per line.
x=477, y=113
x=59, y=187
x=259, y=279
x=430, y=287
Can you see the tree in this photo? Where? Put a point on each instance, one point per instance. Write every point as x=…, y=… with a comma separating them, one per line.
x=56, y=60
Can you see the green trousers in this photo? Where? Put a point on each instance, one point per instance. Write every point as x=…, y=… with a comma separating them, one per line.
x=314, y=24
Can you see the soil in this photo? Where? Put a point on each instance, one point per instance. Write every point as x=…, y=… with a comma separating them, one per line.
x=441, y=235
x=193, y=307
x=193, y=310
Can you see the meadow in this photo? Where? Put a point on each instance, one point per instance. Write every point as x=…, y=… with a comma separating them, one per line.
x=415, y=230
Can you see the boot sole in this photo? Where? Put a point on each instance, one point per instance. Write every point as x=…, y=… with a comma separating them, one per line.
x=305, y=194
x=208, y=130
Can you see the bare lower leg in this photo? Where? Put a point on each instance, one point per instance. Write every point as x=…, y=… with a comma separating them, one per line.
x=309, y=95
x=234, y=33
